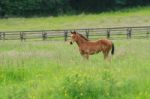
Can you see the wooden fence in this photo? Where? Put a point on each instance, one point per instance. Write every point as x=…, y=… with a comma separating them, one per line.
x=93, y=33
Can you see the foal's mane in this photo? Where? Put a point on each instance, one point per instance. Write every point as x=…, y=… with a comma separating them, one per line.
x=83, y=37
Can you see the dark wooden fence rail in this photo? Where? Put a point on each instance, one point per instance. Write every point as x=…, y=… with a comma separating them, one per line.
x=91, y=33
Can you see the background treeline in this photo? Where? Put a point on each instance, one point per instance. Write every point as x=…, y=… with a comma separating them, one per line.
x=26, y=8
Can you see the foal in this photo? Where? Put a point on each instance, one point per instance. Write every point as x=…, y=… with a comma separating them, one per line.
x=87, y=47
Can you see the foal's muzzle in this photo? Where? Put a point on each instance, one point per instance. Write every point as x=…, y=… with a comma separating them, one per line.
x=71, y=42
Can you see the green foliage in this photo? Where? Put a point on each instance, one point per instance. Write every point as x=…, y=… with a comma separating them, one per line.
x=13, y=75
x=79, y=86
x=33, y=7
x=57, y=7
x=86, y=86
x=55, y=70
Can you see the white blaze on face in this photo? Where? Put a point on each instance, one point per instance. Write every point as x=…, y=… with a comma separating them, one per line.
x=71, y=40
x=71, y=35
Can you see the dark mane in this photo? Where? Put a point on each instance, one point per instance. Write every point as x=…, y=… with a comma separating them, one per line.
x=83, y=37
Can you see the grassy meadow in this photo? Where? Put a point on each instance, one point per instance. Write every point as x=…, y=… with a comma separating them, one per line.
x=128, y=17
x=55, y=69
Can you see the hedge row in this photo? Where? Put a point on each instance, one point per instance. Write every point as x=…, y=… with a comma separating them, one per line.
x=57, y=7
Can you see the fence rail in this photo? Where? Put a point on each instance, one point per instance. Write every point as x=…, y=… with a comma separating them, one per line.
x=92, y=33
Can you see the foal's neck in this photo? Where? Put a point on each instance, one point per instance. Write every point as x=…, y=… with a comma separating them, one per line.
x=81, y=41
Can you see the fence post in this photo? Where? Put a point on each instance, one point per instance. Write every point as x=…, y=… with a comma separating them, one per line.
x=22, y=36
x=3, y=35
x=129, y=30
x=44, y=35
x=0, y=36
x=147, y=33
x=108, y=33
x=65, y=35
x=87, y=33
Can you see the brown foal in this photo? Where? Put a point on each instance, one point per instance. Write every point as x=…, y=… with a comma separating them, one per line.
x=87, y=47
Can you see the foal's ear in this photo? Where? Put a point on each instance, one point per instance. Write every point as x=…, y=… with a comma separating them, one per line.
x=71, y=32
x=74, y=32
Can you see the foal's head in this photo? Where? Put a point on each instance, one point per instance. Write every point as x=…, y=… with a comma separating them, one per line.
x=76, y=37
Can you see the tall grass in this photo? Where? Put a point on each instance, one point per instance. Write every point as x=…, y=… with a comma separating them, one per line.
x=130, y=17
x=55, y=70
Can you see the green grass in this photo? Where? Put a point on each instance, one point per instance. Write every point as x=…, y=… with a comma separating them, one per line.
x=129, y=17
x=55, y=70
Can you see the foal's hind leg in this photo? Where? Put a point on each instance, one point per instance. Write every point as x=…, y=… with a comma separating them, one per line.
x=105, y=53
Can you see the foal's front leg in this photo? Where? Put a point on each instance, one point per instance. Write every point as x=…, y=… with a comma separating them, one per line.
x=86, y=56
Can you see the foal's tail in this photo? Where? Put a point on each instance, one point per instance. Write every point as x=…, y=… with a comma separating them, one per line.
x=113, y=49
